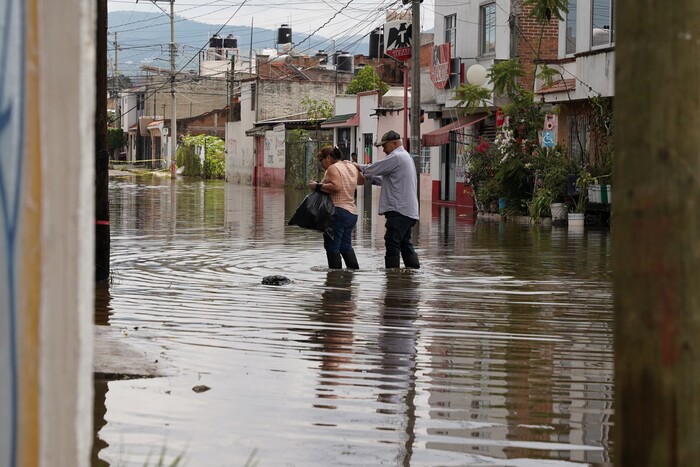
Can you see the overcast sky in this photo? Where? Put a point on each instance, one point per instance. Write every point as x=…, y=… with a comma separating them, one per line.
x=304, y=16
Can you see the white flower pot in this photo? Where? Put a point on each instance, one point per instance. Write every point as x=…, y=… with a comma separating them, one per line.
x=576, y=219
x=558, y=211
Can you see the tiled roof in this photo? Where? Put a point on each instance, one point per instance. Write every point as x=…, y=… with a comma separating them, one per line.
x=561, y=85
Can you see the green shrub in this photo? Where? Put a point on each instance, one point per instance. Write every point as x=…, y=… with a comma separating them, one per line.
x=115, y=138
x=214, y=165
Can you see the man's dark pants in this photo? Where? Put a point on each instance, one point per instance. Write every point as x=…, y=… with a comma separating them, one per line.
x=398, y=240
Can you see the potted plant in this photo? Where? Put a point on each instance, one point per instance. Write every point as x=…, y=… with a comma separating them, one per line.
x=584, y=179
x=554, y=167
x=540, y=205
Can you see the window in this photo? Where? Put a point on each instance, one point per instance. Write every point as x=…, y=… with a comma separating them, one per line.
x=487, y=23
x=451, y=34
x=425, y=159
x=252, y=96
x=603, y=29
x=571, y=28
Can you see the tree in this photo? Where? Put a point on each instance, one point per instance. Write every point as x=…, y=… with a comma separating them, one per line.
x=121, y=82
x=316, y=109
x=656, y=269
x=367, y=79
x=213, y=164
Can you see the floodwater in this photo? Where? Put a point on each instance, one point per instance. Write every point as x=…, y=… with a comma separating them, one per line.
x=498, y=351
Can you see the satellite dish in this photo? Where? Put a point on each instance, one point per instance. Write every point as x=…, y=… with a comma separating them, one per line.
x=476, y=75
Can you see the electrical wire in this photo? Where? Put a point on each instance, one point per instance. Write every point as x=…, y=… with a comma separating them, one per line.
x=172, y=78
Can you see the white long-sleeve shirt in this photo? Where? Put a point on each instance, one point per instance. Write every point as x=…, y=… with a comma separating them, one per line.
x=396, y=174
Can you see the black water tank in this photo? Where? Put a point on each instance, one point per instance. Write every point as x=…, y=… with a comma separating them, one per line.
x=284, y=34
x=344, y=62
x=322, y=56
x=376, y=44
x=230, y=42
x=216, y=42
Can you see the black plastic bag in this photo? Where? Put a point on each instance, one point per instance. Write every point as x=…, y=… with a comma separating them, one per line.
x=316, y=212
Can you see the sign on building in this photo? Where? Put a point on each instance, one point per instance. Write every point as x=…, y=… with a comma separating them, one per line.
x=549, y=131
x=440, y=66
x=398, y=36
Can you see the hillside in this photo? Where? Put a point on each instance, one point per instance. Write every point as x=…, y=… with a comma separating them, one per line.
x=144, y=38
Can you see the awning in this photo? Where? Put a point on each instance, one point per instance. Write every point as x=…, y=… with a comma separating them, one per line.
x=258, y=130
x=341, y=121
x=442, y=135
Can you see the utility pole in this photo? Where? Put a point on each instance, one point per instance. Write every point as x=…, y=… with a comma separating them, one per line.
x=415, y=89
x=117, y=81
x=116, y=62
x=172, y=155
x=102, y=235
x=250, y=53
x=656, y=268
x=173, y=121
x=230, y=86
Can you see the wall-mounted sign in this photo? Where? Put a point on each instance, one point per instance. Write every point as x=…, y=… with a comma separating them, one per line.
x=549, y=131
x=440, y=66
x=500, y=118
x=398, y=39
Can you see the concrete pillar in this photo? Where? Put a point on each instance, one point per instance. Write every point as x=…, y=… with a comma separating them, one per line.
x=46, y=232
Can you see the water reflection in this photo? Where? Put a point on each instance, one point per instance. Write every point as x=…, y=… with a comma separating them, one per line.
x=397, y=345
x=334, y=336
x=103, y=311
x=497, y=352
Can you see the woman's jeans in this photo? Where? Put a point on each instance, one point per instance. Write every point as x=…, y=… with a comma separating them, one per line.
x=342, y=239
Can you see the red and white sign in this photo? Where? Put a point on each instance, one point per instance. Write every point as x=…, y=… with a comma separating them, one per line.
x=500, y=118
x=398, y=39
x=440, y=66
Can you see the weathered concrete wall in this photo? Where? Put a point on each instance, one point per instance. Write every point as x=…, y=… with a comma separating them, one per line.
x=279, y=99
x=211, y=123
x=67, y=96
x=193, y=99
x=240, y=148
x=272, y=171
x=46, y=239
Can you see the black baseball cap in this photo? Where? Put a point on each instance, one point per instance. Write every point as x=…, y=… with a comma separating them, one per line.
x=388, y=136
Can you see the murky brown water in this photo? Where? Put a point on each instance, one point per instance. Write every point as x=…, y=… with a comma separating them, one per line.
x=498, y=351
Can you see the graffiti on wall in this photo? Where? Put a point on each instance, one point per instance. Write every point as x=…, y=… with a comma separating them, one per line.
x=275, y=147
x=11, y=135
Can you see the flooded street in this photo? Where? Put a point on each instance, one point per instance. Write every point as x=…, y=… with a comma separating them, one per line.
x=498, y=351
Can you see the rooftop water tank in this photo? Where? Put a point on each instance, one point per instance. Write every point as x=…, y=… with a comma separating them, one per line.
x=284, y=34
x=344, y=62
x=216, y=42
x=322, y=57
x=376, y=44
x=230, y=42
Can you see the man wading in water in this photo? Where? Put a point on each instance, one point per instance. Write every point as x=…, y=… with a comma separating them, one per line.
x=398, y=202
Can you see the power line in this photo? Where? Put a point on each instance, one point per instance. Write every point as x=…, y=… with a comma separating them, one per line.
x=190, y=60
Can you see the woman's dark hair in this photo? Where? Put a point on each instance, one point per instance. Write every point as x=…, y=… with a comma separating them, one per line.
x=334, y=152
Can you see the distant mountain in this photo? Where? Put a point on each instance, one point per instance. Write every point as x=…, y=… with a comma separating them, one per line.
x=144, y=39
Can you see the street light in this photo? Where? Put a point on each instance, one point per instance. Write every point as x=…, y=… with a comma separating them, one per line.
x=476, y=75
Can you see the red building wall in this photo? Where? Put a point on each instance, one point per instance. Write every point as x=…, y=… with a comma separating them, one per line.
x=530, y=46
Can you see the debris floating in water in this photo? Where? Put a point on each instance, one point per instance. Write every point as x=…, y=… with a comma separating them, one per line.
x=276, y=280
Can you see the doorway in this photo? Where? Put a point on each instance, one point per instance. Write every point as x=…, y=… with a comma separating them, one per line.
x=448, y=189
